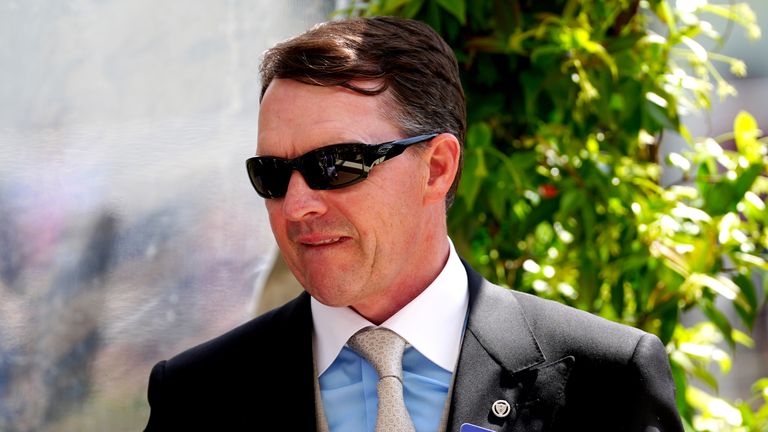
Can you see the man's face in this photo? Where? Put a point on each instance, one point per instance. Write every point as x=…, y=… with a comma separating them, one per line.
x=356, y=246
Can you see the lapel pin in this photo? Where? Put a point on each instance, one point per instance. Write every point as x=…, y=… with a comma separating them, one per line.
x=501, y=408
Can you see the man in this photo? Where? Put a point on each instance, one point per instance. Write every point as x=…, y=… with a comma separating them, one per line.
x=359, y=144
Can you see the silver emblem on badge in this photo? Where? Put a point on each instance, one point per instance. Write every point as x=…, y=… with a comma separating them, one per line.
x=501, y=408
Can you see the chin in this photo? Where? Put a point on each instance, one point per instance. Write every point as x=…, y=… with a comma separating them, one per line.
x=329, y=296
x=331, y=300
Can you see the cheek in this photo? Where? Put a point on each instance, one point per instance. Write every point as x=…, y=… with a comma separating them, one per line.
x=275, y=221
x=384, y=213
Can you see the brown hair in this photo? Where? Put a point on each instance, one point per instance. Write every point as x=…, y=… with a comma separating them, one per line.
x=417, y=70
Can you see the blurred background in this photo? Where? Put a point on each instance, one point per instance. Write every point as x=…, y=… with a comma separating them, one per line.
x=128, y=229
x=751, y=95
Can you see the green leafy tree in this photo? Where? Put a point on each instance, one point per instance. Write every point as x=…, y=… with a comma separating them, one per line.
x=562, y=195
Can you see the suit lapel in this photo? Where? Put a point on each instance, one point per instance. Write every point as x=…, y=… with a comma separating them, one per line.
x=498, y=347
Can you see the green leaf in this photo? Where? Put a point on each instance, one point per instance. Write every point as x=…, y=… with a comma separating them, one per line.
x=617, y=299
x=544, y=233
x=588, y=221
x=518, y=164
x=719, y=284
x=765, y=287
x=660, y=115
x=720, y=198
x=479, y=135
x=412, y=8
x=760, y=385
x=724, y=195
x=748, y=310
x=497, y=200
x=746, y=414
x=547, y=56
x=432, y=16
x=623, y=42
x=598, y=50
x=474, y=174
x=571, y=200
x=665, y=14
x=681, y=383
x=669, y=313
x=487, y=105
x=706, y=376
x=456, y=8
x=745, y=181
x=698, y=51
x=742, y=338
x=720, y=321
x=391, y=7
x=516, y=40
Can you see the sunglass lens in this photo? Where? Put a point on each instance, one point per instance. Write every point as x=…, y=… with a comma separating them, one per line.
x=334, y=167
x=269, y=176
x=326, y=168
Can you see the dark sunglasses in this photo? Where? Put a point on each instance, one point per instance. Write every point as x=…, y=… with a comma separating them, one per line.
x=331, y=167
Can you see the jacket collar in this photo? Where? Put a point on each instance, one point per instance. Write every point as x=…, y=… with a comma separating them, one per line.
x=498, y=347
x=498, y=322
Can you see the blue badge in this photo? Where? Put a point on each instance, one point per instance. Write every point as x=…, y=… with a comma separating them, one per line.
x=466, y=427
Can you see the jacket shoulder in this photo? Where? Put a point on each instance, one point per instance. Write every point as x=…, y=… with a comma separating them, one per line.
x=244, y=342
x=259, y=370
x=570, y=331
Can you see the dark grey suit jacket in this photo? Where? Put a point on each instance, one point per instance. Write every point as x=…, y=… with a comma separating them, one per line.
x=559, y=368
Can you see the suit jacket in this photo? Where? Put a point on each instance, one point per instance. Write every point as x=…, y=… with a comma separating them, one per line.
x=559, y=369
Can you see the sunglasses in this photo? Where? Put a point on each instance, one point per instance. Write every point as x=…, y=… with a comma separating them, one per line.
x=331, y=167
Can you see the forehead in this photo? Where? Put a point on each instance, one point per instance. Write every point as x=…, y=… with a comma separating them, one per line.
x=295, y=118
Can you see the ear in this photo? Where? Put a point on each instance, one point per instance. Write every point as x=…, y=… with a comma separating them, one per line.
x=443, y=160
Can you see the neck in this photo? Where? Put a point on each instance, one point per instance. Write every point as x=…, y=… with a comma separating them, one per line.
x=381, y=307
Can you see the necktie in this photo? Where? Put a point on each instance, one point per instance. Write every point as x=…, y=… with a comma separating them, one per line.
x=383, y=349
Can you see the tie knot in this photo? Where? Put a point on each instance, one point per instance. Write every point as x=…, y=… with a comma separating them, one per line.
x=383, y=349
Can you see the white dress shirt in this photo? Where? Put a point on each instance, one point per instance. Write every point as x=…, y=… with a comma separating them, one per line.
x=433, y=322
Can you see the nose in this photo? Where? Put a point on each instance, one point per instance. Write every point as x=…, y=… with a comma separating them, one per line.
x=301, y=201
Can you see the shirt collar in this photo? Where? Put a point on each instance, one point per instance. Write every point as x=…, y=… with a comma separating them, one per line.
x=433, y=322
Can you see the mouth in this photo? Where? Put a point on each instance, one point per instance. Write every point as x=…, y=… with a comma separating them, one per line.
x=321, y=242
